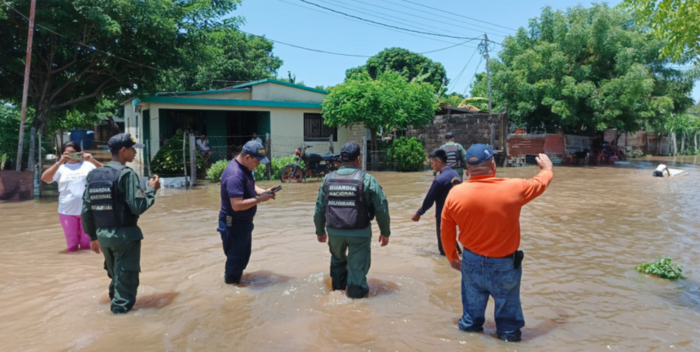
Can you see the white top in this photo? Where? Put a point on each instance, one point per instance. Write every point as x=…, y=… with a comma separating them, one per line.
x=71, y=185
x=661, y=167
x=257, y=139
x=203, y=145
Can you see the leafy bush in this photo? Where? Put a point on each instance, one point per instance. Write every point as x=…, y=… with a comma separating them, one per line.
x=168, y=160
x=407, y=154
x=216, y=170
x=664, y=267
x=636, y=154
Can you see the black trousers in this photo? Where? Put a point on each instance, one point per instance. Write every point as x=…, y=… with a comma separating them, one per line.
x=438, y=221
x=237, y=243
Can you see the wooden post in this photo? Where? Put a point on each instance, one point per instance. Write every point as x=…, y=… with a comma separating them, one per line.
x=184, y=159
x=41, y=165
x=364, y=153
x=193, y=162
x=148, y=159
x=31, y=163
x=268, y=152
x=505, y=121
x=330, y=146
x=25, y=89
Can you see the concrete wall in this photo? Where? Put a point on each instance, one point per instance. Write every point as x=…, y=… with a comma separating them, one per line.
x=468, y=129
x=647, y=142
x=278, y=92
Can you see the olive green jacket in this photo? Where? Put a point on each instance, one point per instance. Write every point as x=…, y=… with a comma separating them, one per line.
x=137, y=200
x=375, y=198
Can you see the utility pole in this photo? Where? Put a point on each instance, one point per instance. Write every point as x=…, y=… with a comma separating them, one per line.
x=488, y=73
x=27, y=66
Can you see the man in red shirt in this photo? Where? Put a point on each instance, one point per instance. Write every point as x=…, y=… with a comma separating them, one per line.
x=487, y=211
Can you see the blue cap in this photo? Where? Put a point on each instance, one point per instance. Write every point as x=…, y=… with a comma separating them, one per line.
x=257, y=150
x=480, y=151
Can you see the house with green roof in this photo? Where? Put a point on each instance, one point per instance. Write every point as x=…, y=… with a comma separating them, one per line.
x=289, y=113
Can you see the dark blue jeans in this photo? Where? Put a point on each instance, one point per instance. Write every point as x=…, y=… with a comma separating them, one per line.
x=483, y=276
x=237, y=246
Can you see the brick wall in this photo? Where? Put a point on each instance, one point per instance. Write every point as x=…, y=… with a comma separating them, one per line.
x=468, y=129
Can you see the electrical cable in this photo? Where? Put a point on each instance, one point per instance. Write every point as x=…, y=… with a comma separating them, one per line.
x=459, y=76
x=473, y=77
x=384, y=24
x=457, y=15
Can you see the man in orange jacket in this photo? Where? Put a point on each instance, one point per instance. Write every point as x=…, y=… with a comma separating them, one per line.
x=487, y=211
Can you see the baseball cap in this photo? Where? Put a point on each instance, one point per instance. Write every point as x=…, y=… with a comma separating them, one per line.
x=256, y=150
x=123, y=140
x=350, y=151
x=481, y=151
x=449, y=135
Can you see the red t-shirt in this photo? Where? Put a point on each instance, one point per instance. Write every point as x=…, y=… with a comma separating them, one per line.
x=487, y=211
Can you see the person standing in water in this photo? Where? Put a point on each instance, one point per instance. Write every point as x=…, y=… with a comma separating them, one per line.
x=456, y=155
x=659, y=172
x=441, y=186
x=70, y=175
x=112, y=204
x=347, y=201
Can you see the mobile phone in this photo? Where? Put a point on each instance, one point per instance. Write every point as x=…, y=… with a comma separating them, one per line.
x=276, y=189
x=76, y=156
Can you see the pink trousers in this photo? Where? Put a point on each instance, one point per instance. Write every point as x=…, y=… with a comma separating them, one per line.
x=73, y=230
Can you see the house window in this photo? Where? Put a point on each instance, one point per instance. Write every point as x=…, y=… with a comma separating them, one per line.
x=315, y=130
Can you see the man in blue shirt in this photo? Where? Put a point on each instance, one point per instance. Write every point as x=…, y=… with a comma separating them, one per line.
x=442, y=184
x=239, y=202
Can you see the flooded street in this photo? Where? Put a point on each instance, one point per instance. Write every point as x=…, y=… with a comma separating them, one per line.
x=580, y=291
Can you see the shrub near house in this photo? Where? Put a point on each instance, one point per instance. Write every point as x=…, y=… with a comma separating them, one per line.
x=168, y=160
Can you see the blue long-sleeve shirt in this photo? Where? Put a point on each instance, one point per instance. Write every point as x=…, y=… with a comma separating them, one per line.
x=442, y=184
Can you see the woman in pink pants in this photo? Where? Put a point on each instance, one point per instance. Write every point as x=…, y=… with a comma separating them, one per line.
x=70, y=175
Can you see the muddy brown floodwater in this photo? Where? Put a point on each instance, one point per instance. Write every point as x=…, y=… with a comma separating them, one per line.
x=582, y=239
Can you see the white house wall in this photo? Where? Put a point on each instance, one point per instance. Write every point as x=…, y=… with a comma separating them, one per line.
x=278, y=92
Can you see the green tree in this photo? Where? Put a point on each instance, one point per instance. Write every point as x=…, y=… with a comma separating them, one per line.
x=84, y=49
x=677, y=22
x=390, y=101
x=415, y=66
x=583, y=70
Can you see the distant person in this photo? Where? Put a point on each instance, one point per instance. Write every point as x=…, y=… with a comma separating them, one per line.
x=239, y=203
x=112, y=205
x=487, y=211
x=437, y=194
x=347, y=201
x=203, y=146
x=256, y=138
x=70, y=175
x=456, y=159
x=163, y=139
x=659, y=172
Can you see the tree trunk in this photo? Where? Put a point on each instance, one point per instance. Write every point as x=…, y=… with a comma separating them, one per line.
x=683, y=143
x=696, y=142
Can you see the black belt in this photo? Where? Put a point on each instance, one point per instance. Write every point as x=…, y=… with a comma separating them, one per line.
x=503, y=257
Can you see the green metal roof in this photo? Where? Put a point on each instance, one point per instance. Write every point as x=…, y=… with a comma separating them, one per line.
x=269, y=80
x=203, y=92
x=226, y=102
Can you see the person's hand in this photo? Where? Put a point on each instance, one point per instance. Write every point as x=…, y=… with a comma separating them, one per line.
x=457, y=264
x=87, y=157
x=383, y=240
x=322, y=239
x=415, y=217
x=95, y=246
x=265, y=197
x=64, y=158
x=544, y=162
x=154, y=182
x=269, y=190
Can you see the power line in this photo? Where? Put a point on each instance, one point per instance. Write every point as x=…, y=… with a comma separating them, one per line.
x=457, y=15
x=365, y=23
x=473, y=77
x=459, y=76
x=384, y=24
x=422, y=16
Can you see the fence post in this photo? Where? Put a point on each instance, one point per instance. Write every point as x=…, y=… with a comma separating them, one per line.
x=493, y=135
x=41, y=165
x=193, y=162
x=505, y=119
x=364, y=153
x=184, y=159
x=268, y=151
x=148, y=159
x=330, y=147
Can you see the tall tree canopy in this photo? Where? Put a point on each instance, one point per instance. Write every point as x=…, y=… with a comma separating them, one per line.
x=401, y=60
x=585, y=69
x=677, y=22
x=390, y=101
x=86, y=48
